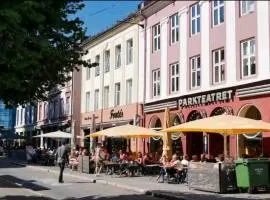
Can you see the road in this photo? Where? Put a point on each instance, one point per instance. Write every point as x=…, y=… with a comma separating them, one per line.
x=21, y=183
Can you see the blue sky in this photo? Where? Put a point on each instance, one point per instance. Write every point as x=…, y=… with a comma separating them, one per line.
x=99, y=15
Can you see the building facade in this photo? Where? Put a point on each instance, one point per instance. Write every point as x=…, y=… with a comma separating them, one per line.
x=205, y=58
x=54, y=114
x=25, y=122
x=112, y=92
x=7, y=120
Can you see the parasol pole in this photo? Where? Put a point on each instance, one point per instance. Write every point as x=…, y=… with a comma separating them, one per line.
x=225, y=146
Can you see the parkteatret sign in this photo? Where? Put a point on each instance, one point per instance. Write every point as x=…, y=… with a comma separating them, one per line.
x=206, y=98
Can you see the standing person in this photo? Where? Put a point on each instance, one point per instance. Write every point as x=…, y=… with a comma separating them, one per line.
x=61, y=158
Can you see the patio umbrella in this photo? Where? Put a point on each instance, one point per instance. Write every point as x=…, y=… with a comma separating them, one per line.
x=128, y=131
x=223, y=124
x=56, y=134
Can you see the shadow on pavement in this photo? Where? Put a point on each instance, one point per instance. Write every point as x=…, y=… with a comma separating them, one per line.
x=7, y=181
x=128, y=197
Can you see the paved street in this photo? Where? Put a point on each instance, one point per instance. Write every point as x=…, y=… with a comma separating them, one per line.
x=24, y=183
x=38, y=182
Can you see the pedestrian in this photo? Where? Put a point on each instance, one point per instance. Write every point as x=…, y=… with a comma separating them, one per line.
x=61, y=158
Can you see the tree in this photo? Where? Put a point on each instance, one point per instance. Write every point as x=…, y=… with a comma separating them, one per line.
x=39, y=47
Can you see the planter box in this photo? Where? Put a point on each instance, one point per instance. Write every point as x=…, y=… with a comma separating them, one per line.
x=212, y=177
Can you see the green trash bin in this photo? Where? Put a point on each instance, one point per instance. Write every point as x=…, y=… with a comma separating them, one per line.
x=252, y=173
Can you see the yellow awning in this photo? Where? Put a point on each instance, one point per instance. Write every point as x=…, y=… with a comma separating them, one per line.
x=223, y=124
x=128, y=130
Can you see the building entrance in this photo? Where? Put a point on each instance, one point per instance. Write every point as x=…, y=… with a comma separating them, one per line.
x=250, y=145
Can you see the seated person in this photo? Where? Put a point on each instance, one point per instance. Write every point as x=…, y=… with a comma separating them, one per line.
x=73, y=160
x=185, y=161
x=194, y=158
x=146, y=159
x=203, y=158
x=211, y=159
x=85, y=152
x=139, y=159
x=123, y=157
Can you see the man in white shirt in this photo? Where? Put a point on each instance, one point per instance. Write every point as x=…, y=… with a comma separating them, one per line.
x=185, y=161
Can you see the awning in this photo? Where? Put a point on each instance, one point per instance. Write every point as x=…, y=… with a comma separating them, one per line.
x=56, y=134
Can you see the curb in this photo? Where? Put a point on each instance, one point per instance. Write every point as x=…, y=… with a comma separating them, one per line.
x=125, y=187
x=55, y=172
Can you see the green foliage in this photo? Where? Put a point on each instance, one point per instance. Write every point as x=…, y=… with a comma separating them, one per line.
x=39, y=47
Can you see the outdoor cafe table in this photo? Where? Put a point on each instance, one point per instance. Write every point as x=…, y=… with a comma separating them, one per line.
x=120, y=168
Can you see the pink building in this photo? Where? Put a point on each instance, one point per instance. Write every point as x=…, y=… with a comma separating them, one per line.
x=205, y=58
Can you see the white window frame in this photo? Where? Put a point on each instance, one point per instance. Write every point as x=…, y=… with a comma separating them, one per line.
x=249, y=7
x=174, y=78
x=87, y=101
x=45, y=110
x=249, y=56
x=129, y=91
x=156, y=37
x=174, y=28
x=196, y=70
x=129, y=51
x=88, y=70
x=156, y=83
x=219, y=65
x=118, y=56
x=196, y=18
x=117, y=95
x=106, y=96
x=217, y=8
x=96, y=100
x=97, y=68
x=107, y=61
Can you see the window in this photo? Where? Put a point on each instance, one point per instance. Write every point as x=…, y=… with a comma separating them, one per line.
x=174, y=28
x=107, y=61
x=247, y=7
x=67, y=106
x=87, y=102
x=61, y=108
x=174, y=74
x=195, y=72
x=218, y=66
x=156, y=37
x=195, y=19
x=88, y=71
x=56, y=108
x=118, y=56
x=248, y=61
x=156, y=83
x=129, y=51
x=106, y=96
x=45, y=111
x=17, y=116
x=39, y=112
x=97, y=68
x=218, y=12
x=117, y=94
x=96, y=99
x=129, y=92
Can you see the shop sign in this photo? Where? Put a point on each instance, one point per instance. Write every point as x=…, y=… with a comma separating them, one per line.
x=206, y=98
x=116, y=114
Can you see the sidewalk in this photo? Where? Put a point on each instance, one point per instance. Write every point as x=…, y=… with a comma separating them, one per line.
x=148, y=185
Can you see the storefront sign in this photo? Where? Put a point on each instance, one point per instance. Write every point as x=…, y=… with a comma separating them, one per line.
x=205, y=99
x=116, y=114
